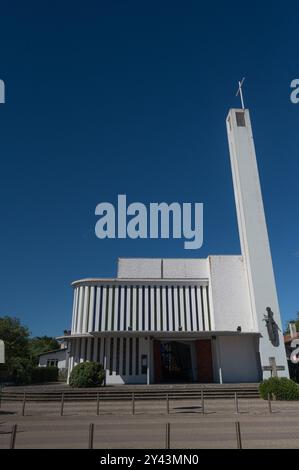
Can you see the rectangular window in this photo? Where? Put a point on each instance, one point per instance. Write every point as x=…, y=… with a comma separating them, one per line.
x=111, y=356
x=131, y=357
x=104, y=354
x=137, y=356
x=143, y=364
x=240, y=117
x=202, y=309
x=99, y=350
x=113, y=308
x=137, y=309
x=191, y=310
x=143, y=308
x=124, y=356
x=119, y=308
x=131, y=307
x=85, y=350
x=117, y=356
x=161, y=306
x=52, y=362
x=107, y=306
x=91, y=349
x=208, y=304
x=155, y=307
x=125, y=309
x=149, y=311
x=167, y=307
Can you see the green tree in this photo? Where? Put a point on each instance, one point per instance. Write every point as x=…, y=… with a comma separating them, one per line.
x=15, y=337
x=17, y=355
x=41, y=344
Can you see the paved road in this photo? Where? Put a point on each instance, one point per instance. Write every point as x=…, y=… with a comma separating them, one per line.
x=116, y=427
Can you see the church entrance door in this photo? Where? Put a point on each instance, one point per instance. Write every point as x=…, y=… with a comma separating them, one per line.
x=176, y=365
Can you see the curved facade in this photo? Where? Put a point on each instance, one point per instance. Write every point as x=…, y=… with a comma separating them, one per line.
x=111, y=306
x=156, y=327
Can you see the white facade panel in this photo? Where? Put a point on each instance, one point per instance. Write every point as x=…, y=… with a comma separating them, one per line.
x=170, y=308
x=91, y=308
x=109, y=317
x=231, y=303
x=194, y=309
x=85, y=309
x=238, y=359
x=181, y=308
x=164, y=309
x=147, y=323
x=103, y=309
x=97, y=308
x=176, y=308
x=188, y=309
x=116, y=309
x=158, y=309
x=134, y=309
x=140, y=312
x=80, y=310
x=185, y=269
x=139, y=268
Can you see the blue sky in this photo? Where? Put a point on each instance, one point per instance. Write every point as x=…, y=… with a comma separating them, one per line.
x=130, y=97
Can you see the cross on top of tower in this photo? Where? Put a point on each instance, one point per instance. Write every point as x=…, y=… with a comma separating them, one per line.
x=240, y=92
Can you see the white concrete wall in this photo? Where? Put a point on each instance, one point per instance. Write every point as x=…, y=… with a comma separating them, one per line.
x=229, y=294
x=238, y=359
x=139, y=268
x=165, y=268
x=185, y=269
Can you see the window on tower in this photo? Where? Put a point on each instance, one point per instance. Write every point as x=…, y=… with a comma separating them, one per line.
x=240, y=117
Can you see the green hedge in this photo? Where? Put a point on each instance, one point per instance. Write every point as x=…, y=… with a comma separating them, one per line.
x=87, y=374
x=279, y=388
x=44, y=374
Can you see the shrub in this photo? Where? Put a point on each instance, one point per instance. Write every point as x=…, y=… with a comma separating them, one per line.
x=279, y=388
x=20, y=371
x=87, y=374
x=44, y=374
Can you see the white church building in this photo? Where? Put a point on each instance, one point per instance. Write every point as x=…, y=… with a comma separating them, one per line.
x=190, y=320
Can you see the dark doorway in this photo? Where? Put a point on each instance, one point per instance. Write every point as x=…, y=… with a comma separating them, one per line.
x=204, y=360
x=176, y=365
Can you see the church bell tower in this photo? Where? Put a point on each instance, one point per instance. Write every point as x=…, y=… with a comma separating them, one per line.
x=255, y=243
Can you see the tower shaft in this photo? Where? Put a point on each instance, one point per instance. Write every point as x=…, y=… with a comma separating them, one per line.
x=254, y=238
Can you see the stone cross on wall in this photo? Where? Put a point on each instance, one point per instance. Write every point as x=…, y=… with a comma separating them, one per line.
x=273, y=367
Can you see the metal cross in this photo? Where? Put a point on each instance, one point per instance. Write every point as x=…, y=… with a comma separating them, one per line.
x=240, y=92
